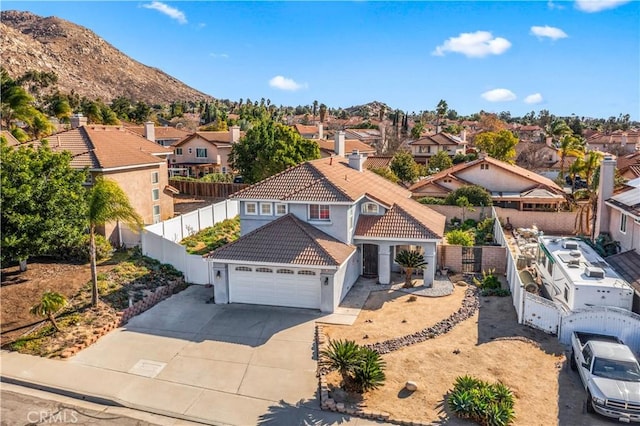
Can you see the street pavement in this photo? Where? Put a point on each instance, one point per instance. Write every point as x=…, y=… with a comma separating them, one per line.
x=186, y=359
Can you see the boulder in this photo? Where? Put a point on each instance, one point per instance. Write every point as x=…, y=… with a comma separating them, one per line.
x=411, y=386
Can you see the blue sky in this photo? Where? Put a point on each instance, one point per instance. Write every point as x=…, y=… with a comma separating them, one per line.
x=570, y=57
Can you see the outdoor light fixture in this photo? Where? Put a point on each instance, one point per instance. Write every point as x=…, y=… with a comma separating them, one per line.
x=218, y=274
x=326, y=280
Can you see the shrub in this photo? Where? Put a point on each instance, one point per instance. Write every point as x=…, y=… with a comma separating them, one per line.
x=483, y=402
x=476, y=195
x=460, y=237
x=80, y=252
x=469, y=224
x=431, y=200
x=341, y=355
x=363, y=367
x=369, y=373
x=489, y=280
x=386, y=173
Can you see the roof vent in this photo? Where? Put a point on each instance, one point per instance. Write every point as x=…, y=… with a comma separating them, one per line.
x=573, y=263
x=594, y=272
x=570, y=245
x=575, y=253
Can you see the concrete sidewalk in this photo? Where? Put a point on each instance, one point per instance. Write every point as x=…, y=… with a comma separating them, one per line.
x=185, y=359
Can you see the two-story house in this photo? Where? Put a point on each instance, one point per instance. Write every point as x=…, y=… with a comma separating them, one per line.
x=343, y=147
x=162, y=135
x=138, y=165
x=618, y=142
x=309, y=232
x=509, y=185
x=309, y=131
x=426, y=147
x=205, y=152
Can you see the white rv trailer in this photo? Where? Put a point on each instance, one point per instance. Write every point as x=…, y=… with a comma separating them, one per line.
x=576, y=277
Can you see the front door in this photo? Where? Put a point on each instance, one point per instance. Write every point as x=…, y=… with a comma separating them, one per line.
x=370, y=260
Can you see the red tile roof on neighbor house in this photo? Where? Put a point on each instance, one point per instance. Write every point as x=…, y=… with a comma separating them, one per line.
x=451, y=171
x=438, y=139
x=162, y=132
x=305, y=129
x=331, y=180
x=350, y=145
x=378, y=161
x=216, y=138
x=106, y=147
x=11, y=140
x=298, y=243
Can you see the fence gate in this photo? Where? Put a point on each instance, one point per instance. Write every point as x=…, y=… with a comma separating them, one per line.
x=471, y=260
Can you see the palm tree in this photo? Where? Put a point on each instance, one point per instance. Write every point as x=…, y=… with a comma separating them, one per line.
x=557, y=129
x=323, y=112
x=50, y=303
x=107, y=203
x=342, y=355
x=569, y=145
x=409, y=260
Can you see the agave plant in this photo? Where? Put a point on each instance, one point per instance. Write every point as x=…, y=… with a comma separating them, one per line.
x=342, y=355
x=410, y=260
x=369, y=373
x=50, y=303
x=485, y=403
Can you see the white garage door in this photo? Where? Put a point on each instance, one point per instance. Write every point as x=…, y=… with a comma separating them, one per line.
x=297, y=288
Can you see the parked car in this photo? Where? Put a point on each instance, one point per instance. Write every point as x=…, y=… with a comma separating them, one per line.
x=238, y=179
x=610, y=374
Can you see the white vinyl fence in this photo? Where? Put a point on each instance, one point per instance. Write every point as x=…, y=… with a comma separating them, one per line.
x=160, y=240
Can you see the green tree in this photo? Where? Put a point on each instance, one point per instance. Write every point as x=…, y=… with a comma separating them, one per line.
x=16, y=103
x=569, y=146
x=416, y=130
x=499, y=145
x=323, y=113
x=440, y=161
x=269, y=148
x=140, y=113
x=50, y=303
x=475, y=195
x=404, y=166
x=557, y=129
x=465, y=205
x=441, y=111
x=43, y=202
x=386, y=173
x=107, y=203
x=409, y=260
x=458, y=237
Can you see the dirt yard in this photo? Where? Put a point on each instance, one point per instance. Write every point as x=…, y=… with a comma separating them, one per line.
x=19, y=291
x=184, y=203
x=490, y=345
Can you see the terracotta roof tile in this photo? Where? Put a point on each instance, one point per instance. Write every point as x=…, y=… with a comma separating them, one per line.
x=161, y=132
x=378, y=161
x=11, y=140
x=350, y=145
x=305, y=130
x=298, y=243
x=438, y=139
x=395, y=223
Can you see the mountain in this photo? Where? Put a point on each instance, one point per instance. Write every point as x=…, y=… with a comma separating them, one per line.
x=371, y=110
x=83, y=61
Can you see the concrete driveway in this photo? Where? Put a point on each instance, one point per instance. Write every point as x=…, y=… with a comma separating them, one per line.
x=228, y=364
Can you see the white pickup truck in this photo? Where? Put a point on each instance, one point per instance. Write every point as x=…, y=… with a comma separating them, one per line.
x=610, y=374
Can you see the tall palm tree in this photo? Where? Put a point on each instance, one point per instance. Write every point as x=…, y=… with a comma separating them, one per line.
x=556, y=129
x=569, y=146
x=410, y=260
x=107, y=203
x=50, y=303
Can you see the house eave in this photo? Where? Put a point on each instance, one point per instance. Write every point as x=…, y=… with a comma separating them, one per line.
x=275, y=265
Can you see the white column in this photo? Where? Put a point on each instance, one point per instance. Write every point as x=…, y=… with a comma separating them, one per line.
x=430, y=258
x=384, y=263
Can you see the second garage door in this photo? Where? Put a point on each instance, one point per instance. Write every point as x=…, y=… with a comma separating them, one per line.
x=297, y=288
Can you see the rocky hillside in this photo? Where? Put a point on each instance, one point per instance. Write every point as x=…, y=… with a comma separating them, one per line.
x=83, y=61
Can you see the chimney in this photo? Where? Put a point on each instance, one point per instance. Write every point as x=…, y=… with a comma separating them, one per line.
x=463, y=135
x=605, y=191
x=320, y=131
x=438, y=128
x=623, y=140
x=339, y=144
x=234, y=132
x=78, y=120
x=150, y=131
x=356, y=160
x=549, y=141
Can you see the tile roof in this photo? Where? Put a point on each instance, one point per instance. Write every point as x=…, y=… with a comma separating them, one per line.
x=305, y=130
x=628, y=160
x=378, y=161
x=438, y=139
x=103, y=147
x=534, y=177
x=162, y=132
x=298, y=243
x=332, y=180
x=395, y=223
x=627, y=264
x=212, y=137
x=11, y=140
x=350, y=145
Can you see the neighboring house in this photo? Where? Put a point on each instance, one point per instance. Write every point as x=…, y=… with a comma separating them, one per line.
x=309, y=232
x=372, y=137
x=203, y=153
x=617, y=142
x=162, y=135
x=136, y=164
x=378, y=161
x=629, y=165
x=510, y=186
x=309, y=132
x=11, y=140
x=343, y=147
x=425, y=148
x=531, y=133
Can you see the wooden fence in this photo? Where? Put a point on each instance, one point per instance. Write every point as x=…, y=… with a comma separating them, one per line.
x=207, y=189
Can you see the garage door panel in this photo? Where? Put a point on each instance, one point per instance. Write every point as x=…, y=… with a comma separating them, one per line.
x=272, y=288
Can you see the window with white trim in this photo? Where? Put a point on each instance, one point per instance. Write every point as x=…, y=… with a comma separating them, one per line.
x=201, y=152
x=623, y=223
x=155, y=194
x=265, y=209
x=281, y=209
x=319, y=212
x=156, y=214
x=155, y=177
x=251, y=208
x=178, y=151
x=370, y=208
x=484, y=166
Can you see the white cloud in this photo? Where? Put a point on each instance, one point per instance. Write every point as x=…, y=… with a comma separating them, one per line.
x=547, y=31
x=474, y=45
x=499, y=95
x=219, y=55
x=591, y=6
x=171, y=12
x=551, y=5
x=535, y=98
x=283, y=83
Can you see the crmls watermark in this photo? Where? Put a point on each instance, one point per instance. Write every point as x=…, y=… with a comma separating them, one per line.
x=49, y=417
